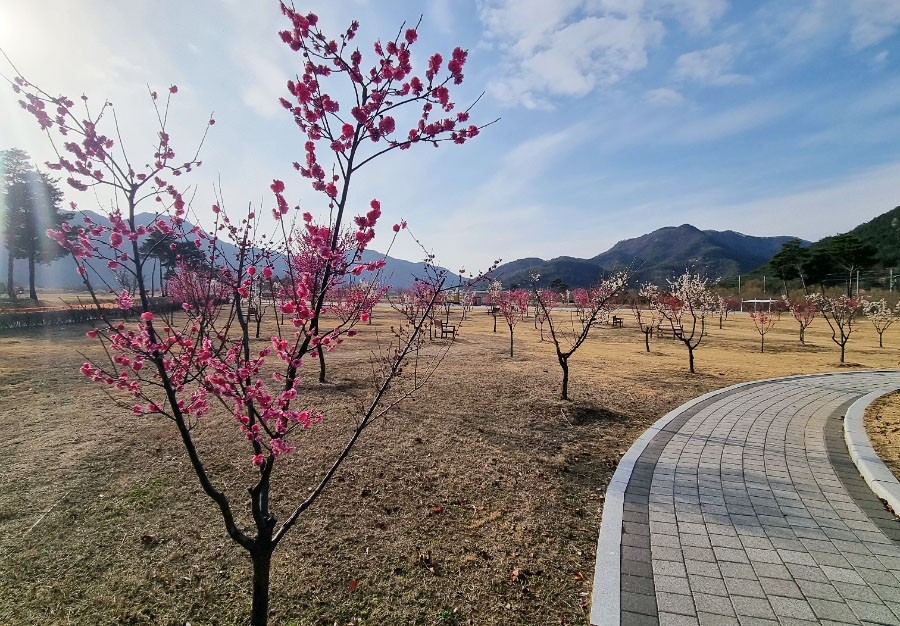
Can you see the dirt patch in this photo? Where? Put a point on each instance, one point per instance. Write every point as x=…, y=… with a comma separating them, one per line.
x=882, y=422
x=476, y=503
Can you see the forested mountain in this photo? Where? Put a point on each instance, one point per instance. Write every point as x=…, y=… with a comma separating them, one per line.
x=654, y=257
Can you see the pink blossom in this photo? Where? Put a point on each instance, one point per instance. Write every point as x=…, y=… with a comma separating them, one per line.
x=147, y=316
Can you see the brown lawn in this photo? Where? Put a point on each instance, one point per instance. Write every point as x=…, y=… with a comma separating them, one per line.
x=476, y=503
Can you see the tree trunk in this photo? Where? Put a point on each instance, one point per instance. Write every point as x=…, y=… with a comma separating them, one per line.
x=495, y=317
x=32, y=292
x=564, y=364
x=842, y=351
x=802, y=333
x=259, y=613
x=10, y=288
x=720, y=322
x=691, y=358
x=762, y=343
x=258, y=322
x=880, y=339
x=510, y=342
x=321, y=364
x=647, y=338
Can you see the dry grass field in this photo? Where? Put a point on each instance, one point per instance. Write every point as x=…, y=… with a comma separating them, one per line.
x=476, y=503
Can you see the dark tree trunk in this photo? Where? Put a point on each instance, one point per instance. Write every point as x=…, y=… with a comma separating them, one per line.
x=880, y=339
x=564, y=364
x=10, y=288
x=647, y=338
x=321, y=354
x=842, y=351
x=262, y=563
x=32, y=292
x=258, y=322
x=720, y=322
x=510, y=342
x=495, y=315
x=802, y=333
x=691, y=357
x=762, y=343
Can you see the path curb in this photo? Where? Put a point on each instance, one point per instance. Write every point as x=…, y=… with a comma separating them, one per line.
x=880, y=479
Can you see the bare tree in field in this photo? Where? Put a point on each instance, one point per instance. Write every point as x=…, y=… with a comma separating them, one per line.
x=685, y=307
x=596, y=308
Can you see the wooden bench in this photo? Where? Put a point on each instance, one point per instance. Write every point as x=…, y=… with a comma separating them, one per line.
x=618, y=322
x=668, y=331
x=446, y=329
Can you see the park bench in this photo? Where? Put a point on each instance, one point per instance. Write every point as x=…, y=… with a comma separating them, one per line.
x=618, y=322
x=446, y=329
x=668, y=331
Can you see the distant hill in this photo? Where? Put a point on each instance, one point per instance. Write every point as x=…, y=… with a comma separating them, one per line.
x=882, y=233
x=654, y=257
x=61, y=273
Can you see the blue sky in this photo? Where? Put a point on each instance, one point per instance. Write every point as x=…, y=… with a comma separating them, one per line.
x=618, y=116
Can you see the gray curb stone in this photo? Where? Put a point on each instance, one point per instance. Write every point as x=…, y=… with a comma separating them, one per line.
x=873, y=470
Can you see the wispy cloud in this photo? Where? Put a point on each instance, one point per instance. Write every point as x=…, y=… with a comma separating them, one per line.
x=711, y=66
x=664, y=96
x=876, y=20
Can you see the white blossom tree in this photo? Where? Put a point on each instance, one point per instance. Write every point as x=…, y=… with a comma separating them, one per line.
x=881, y=316
x=685, y=307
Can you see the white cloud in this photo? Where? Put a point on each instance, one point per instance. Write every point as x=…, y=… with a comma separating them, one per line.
x=695, y=15
x=711, y=66
x=664, y=96
x=876, y=20
x=880, y=58
x=565, y=52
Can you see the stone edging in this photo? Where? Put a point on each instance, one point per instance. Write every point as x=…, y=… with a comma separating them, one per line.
x=606, y=607
x=873, y=470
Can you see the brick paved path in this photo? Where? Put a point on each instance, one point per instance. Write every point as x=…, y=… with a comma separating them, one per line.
x=746, y=509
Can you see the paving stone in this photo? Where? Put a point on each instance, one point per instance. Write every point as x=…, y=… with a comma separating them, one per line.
x=639, y=603
x=744, y=587
x=712, y=585
x=791, y=607
x=671, y=584
x=674, y=619
x=871, y=612
x=832, y=610
x=707, y=603
x=675, y=603
x=752, y=607
x=714, y=619
x=781, y=587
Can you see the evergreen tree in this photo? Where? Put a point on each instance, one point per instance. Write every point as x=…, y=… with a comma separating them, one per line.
x=40, y=199
x=168, y=251
x=15, y=166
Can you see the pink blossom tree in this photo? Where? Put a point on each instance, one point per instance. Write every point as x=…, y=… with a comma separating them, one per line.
x=595, y=305
x=509, y=308
x=803, y=311
x=685, y=308
x=493, y=297
x=881, y=316
x=545, y=302
x=764, y=321
x=172, y=367
x=839, y=312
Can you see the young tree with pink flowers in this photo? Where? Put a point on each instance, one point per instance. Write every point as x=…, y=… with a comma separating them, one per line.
x=545, y=302
x=839, y=312
x=594, y=306
x=764, y=321
x=508, y=305
x=173, y=367
x=803, y=311
x=685, y=308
